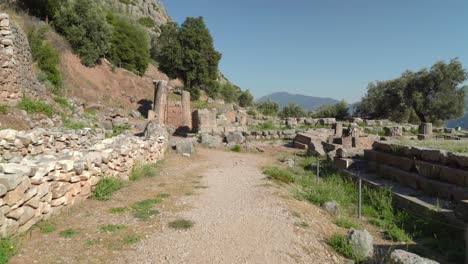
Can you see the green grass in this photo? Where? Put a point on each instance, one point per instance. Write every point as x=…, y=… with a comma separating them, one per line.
x=460, y=146
x=73, y=125
x=112, y=228
x=279, y=174
x=63, y=102
x=46, y=227
x=347, y=222
x=162, y=195
x=236, y=148
x=68, y=232
x=143, y=171
x=119, y=129
x=118, y=210
x=131, y=239
x=4, y=109
x=32, y=106
x=181, y=224
x=106, y=187
x=7, y=249
x=267, y=125
x=340, y=244
x=144, y=210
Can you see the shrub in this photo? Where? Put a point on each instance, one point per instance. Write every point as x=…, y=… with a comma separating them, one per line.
x=339, y=111
x=147, y=22
x=268, y=108
x=236, y=148
x=130, y=47
x=32, y=106
x=246, y=99
x=340, y=244
x=278, y=174
x=106, y=187
x=47, y=58
x=292, y=110
x=83, y=23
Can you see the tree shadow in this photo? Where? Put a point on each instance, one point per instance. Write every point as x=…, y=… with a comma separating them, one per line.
x=144, y=106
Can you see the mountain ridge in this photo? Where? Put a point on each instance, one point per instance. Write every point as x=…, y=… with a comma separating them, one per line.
x=306, y=101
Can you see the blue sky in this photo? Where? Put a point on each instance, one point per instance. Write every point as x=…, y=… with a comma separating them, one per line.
x=328, y=48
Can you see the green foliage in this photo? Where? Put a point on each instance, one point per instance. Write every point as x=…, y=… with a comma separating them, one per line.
x=46, y=227
x=279, y=174
x=229, y=92
x=7, y=250
x=431, y=94
x=118, y=210
x=129, y=45
x=4, y=109
x=68, y=232
x=112, y=228
x=46, y=56
x=143, y=210
x=131, y=239
x=246, y=99
x=181, y=224
x=268, y=108
x=194, y=93
x=267, y=125
x=339, y=111
x=73, y=125
x=147, y=22
x=340, y=244
x=292, y=110
x=83, y=23
x=346, y=222
x=119, y=129
x=41, y=8
x=187, y=53
x=106, y=187
x=63, y=102
x=236, y=148
x=143, y=171
x=32, y=106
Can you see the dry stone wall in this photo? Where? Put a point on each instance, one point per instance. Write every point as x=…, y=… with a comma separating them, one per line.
x=36, y=186
x=16, y=76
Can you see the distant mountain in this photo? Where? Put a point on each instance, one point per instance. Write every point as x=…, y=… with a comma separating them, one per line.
x=462, y=121
x=307, y=102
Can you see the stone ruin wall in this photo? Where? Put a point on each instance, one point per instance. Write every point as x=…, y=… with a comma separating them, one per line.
x=16, y=77
x=38, y=179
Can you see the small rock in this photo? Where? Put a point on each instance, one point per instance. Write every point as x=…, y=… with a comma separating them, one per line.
x=361, y=242
x=331, y=208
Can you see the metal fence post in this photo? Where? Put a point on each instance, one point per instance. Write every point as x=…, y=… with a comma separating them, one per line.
x=318, y=170
x=359, y=196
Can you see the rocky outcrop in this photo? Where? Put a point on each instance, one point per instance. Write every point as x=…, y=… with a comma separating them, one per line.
x=153, y=9
x=35, y=185
x=16, y=76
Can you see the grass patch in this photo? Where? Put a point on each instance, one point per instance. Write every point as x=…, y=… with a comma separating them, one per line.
x=4, y=109
x=119, y=129
x=346, y=222
x=32, y=106
x=68, y=232
x=236, y=148
x=118, y=210
x=181, y=224
x=143, y=171
x=73, y=125
x=131, y=239
x=112, y=228
x=279, y=174
x=63, y=102
x=267, y=125
x=106, y=187
x=340, y=244
x=162, y=195
x=46, y=227
x=144, y=210
x=7, y=249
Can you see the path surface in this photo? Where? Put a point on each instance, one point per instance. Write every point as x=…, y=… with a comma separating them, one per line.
x=238, y=215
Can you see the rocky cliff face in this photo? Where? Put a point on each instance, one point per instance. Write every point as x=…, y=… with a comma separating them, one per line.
x=153, y=9
x=16, y=75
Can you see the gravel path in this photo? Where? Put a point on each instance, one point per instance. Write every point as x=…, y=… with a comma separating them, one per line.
x=238, y=218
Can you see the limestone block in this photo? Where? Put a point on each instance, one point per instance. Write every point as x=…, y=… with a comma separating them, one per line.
x=16, y=195
x=455, y=176
x=429, y=170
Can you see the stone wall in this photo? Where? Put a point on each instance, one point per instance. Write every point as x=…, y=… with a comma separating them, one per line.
x=219, y=121
x=16, y=76
x=434, y=172
x=35, y=187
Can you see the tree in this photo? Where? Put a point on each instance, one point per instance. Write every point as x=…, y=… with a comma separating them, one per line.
x=229, y=92
x=83, y=23
x=41, y=8
x=432, y=95
x=268, y=108
x=292, y=110
x=246, y=99
x=187, y=52
x=129, y=45
x=339, y=111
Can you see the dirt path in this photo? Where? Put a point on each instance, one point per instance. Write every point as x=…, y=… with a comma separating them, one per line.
x=238, y=215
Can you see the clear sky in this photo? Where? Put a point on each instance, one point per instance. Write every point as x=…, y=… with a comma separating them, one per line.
x=328, y=48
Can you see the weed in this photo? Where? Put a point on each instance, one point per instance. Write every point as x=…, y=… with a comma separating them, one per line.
x=105, y=187
x=162, y=195
x=63, y=102
x=4, y=109
x=346, y=222
x=236, y=148
x=46, y=227
x=143, y=171
x=119, y=129
x=32, y=106
x=7, y=249
x=279, y=174
x=112, y=228
x=340, y=244
x=118, y=210
x=181, y=224
x=143, y=210
x=131, y=239
x=68, y=232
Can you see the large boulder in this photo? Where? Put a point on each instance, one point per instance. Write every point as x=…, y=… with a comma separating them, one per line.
x=361, y=242
x=235, y=138
x=184, y=147
x=315, y=148
x=210, y=140
x=399, y=256
x=153, y=129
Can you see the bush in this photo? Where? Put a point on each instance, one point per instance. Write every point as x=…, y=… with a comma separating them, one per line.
x=292, y=110
x=130, y=47
x=106, y=187
x=147, y=22
x=246, y=99
x=339, y=111
x=83, y=23
x=236, y=148
x=268, y=108
x=33, y=106
x=229, y=92
x=47, y=58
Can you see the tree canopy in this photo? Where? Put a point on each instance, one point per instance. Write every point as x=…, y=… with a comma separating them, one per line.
x=339, y=111
x=41, y=8
x=430, y=94
x=187, y=52
x=269, y=108
x=292, y=110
